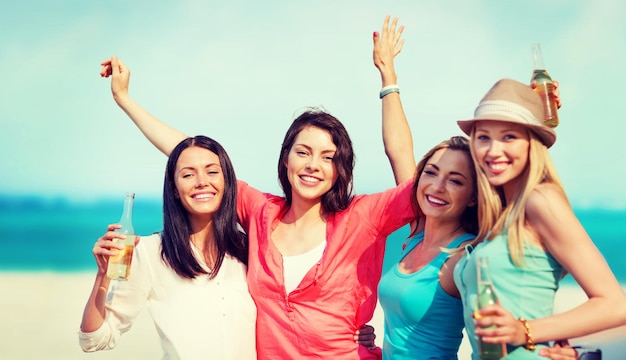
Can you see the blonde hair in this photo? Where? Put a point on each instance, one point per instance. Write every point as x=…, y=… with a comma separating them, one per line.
x=495, y=215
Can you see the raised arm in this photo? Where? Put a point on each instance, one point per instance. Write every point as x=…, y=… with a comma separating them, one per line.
x=161, y=135
x=396, y=131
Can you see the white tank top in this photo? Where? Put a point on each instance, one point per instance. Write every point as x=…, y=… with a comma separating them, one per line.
x=295, y=267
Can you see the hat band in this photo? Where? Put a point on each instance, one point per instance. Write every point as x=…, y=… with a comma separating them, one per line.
x=505, y=108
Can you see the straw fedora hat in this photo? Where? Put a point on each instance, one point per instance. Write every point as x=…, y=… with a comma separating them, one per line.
x=511, y=101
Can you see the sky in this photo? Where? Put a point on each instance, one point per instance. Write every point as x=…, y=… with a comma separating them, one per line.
x=241, y=71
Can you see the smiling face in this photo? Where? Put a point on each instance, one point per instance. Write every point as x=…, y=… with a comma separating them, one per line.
x=446, y=185
x=199, y=182
x=501, y=150
x=310, y=167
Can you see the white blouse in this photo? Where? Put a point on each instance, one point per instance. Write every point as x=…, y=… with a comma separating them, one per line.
x=196, y=319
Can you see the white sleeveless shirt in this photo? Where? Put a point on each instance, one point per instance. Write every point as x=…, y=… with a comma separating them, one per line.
x=295, y=267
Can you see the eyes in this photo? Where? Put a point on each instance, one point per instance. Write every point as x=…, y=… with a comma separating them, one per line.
x=454, y=179
x=190, y=173
x=328, y=157
x=505, y=137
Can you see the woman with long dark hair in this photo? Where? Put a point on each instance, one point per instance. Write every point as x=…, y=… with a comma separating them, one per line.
x=191, y=276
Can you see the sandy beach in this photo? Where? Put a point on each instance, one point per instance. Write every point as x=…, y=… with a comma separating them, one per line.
x=41, y=313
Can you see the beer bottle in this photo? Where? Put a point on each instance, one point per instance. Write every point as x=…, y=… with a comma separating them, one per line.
x=487, y=296
x=545, y=88
x=119, y=264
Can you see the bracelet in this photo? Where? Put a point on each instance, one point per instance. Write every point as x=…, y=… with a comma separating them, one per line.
x=530, y=343
x=388, y=90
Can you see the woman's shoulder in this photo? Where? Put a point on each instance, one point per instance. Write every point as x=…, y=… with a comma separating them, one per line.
x=392, y=193
x=546, y=197
x=248, y=192
x=150, y=241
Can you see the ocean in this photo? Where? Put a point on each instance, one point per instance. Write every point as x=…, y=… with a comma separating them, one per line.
x=40, y=234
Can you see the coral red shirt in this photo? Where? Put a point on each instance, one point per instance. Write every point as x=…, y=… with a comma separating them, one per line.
x=338, y=295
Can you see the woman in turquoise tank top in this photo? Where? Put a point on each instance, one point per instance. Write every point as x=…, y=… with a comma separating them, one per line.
x=529, y=233
x=422, y=306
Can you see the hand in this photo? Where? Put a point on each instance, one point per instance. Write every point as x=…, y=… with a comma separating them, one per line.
x=365, y=336
x=561, y=350
x=106, y=246
x=387, y=45
x=120, y=76
x=508, y=329
x=557, y=92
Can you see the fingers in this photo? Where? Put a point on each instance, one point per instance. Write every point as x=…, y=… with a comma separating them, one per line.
x=365, y=336
x=107, y=246
x=562, y=343
x=366, y=329
x=113, y=227
x=376, y=40
x=398, y=47
x=559, y=353
x=394, y=24
x=556, y=91
x=494, y=324
x=385, y=25
x=490, y=310
x=112, y=66
x=557, y=94
x=106, y=242
x=118, y=68
x=105, y=72
x=115, y=65
x=561, y=350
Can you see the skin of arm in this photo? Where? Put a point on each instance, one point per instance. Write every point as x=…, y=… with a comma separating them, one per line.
x=94, y=312
x=161, y=135
x=396, y=131
x=550, y=216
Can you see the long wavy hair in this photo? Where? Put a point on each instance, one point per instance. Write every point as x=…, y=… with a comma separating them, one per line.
x=340, y=194
x=176, y=248
x=495, y=215
x=469, y=218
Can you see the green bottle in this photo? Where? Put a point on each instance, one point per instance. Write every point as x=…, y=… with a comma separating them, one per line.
x=487, y=296
x=119, y=264
x=545, y=88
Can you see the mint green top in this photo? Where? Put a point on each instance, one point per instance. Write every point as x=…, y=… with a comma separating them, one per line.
x=526, y=291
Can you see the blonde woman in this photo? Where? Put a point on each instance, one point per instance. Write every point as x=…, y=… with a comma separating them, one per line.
x=529, y=232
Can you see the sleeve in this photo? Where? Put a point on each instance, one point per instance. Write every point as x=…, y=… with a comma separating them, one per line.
x=125, y=300
x=389, y=210
x=249, y=202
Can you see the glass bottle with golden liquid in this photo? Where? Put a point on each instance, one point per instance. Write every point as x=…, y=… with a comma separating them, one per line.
x=545, y=88
x=487, y=296
x=119, y=264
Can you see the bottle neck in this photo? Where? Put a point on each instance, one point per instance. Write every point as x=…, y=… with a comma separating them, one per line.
x=127, y=214
x=538, y=57
x=484, y=275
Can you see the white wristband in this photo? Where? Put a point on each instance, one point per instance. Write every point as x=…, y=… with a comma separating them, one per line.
x=388, y=90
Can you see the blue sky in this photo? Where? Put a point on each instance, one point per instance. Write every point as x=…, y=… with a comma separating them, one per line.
x=240, y=71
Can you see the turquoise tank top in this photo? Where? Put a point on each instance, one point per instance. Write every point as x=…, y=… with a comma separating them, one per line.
x=422, y=321
x=526, y=291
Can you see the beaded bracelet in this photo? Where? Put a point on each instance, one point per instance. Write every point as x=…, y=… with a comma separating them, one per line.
x=388, y=90
x=530, y=343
